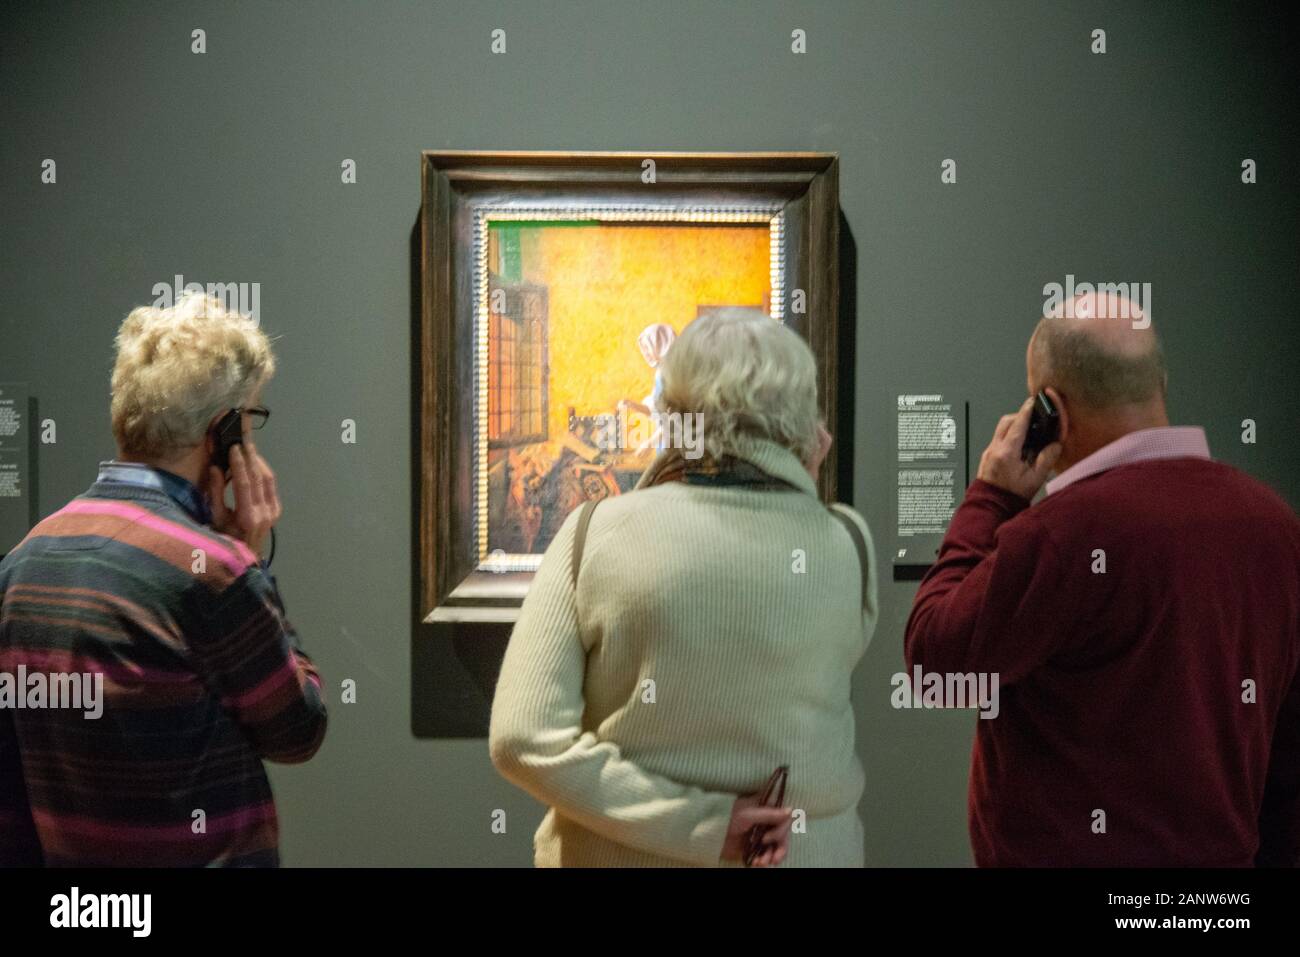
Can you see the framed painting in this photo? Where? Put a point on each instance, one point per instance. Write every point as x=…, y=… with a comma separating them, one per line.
x=549, y=285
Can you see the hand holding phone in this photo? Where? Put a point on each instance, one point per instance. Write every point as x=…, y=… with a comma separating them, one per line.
x=1004, y=462
x=1044, y=427
x=257, y=502
x=227, y=433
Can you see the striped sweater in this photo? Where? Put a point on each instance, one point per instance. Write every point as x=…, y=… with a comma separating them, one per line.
x=711, y=637
x=202, y=679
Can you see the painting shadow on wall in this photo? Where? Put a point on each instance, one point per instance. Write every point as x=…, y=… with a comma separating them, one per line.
x=453, y=667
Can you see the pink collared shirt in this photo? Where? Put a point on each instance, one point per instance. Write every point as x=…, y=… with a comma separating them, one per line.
x=1167, y=442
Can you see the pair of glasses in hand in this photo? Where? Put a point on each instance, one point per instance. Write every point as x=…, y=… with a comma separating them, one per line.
x=773, y=795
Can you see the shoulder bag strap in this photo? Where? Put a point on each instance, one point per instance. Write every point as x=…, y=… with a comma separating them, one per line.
x=580, y=537
x=859, y=544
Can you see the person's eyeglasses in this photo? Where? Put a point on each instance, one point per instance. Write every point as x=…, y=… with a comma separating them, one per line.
x=257, y=416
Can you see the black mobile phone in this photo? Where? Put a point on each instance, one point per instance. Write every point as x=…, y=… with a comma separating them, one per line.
x=227, y=432
x=1044, y=427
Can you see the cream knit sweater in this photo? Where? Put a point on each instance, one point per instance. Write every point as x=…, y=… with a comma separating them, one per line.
x=711, y=638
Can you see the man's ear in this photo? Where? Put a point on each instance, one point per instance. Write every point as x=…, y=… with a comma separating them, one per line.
x=1062, y=413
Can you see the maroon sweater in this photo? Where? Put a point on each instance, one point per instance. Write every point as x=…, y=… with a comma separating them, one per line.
x=1123, y=691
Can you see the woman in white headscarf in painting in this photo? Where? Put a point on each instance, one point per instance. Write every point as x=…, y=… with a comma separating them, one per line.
x=654, y=342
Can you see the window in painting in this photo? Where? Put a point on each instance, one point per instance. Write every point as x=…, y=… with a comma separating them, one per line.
x=517, y=371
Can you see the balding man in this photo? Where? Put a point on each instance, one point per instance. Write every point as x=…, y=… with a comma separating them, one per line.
x=1142, y=620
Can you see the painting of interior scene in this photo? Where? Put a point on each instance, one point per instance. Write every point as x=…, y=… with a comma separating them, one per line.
x=580, y=315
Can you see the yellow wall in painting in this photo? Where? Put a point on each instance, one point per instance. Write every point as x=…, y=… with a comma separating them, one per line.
x=608, y=282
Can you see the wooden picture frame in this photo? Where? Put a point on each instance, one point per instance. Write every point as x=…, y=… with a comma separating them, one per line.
x=463, y=194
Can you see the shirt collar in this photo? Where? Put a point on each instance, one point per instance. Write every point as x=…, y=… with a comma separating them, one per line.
x=184, y=492
x=1165, y=442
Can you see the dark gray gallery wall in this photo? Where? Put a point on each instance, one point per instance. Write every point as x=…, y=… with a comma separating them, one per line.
x=225, y=167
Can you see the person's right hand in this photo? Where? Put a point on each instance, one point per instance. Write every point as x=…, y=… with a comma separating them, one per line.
x=1001, y=464
x=257, y=504
x=746, y=813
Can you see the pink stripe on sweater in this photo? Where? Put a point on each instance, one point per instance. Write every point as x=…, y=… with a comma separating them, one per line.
x=272, y=683
x=64, y=662
x=233, y=559
x=151, y=833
